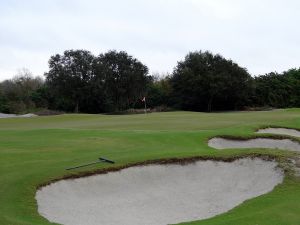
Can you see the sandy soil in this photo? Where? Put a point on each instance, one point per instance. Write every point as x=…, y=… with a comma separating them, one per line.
x=3, y=115
x=157, y=194
x=284, y=131
x=284, y=144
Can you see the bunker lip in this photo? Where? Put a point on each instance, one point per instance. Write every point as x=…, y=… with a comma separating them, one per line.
x=255, y=136
x=279, y=131
x=254, y=142
x=276, y=127
x=262, y=135
x=163, y=161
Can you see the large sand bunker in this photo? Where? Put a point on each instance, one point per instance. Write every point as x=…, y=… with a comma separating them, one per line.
x=284, y=144
x=284, y=131
x=158, y=194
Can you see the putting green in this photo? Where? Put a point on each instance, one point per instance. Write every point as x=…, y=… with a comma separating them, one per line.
x=36, y=150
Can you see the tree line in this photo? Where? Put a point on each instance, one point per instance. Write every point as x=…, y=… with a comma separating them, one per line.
x=78, y=81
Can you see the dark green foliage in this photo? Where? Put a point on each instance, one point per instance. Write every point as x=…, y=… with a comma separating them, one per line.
x=159, y=92
x=68, y=76
x=278, y=90
x=41, y=97
x=206, y=82
x=82, y=82
x=4, y=108
x=123, y=78
x=78, y=81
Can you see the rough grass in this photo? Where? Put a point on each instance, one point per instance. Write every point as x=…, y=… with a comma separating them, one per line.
x=36, y=150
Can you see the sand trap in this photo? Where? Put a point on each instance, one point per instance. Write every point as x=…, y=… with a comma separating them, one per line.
x=157, y=194
x=284, y=131
x=284, y=144
x=3, y=115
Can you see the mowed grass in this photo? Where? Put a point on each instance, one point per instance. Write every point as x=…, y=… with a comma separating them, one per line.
x=36, y=150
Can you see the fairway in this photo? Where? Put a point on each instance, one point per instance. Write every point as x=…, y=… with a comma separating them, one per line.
x=35, y=151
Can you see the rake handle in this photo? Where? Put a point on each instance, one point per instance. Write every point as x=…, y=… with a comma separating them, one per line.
x=100, y=160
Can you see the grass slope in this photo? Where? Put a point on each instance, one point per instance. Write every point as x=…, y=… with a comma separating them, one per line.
x=36, y=150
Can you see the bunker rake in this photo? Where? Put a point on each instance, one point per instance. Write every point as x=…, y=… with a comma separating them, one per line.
x=100, y=160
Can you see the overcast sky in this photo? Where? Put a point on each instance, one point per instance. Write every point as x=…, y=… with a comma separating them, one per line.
x=261, y=35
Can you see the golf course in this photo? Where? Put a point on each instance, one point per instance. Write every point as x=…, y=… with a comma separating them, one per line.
x=36, y=151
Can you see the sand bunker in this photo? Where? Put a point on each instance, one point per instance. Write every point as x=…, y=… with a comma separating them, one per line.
x=284, y=144
x=157, y=194
x=283, y=131
x=3, y=115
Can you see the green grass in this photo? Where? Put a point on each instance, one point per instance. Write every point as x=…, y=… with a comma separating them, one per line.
x=34, y=151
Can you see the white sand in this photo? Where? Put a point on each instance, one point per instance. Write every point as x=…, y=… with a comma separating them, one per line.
x=284, y=144
x=284, y=131
x=3, y=115
x=157, y=194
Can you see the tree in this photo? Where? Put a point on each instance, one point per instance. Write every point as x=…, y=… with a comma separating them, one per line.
x=293, y=76
x=69, y=75
x=206, y=82
x=109, y=82
x=16, y=93
x=4, y=108
x=123, y=77
x=278, y=90
x=158, y=91
x=25, y=84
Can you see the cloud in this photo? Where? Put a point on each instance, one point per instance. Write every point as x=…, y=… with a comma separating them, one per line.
x=260, y=35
